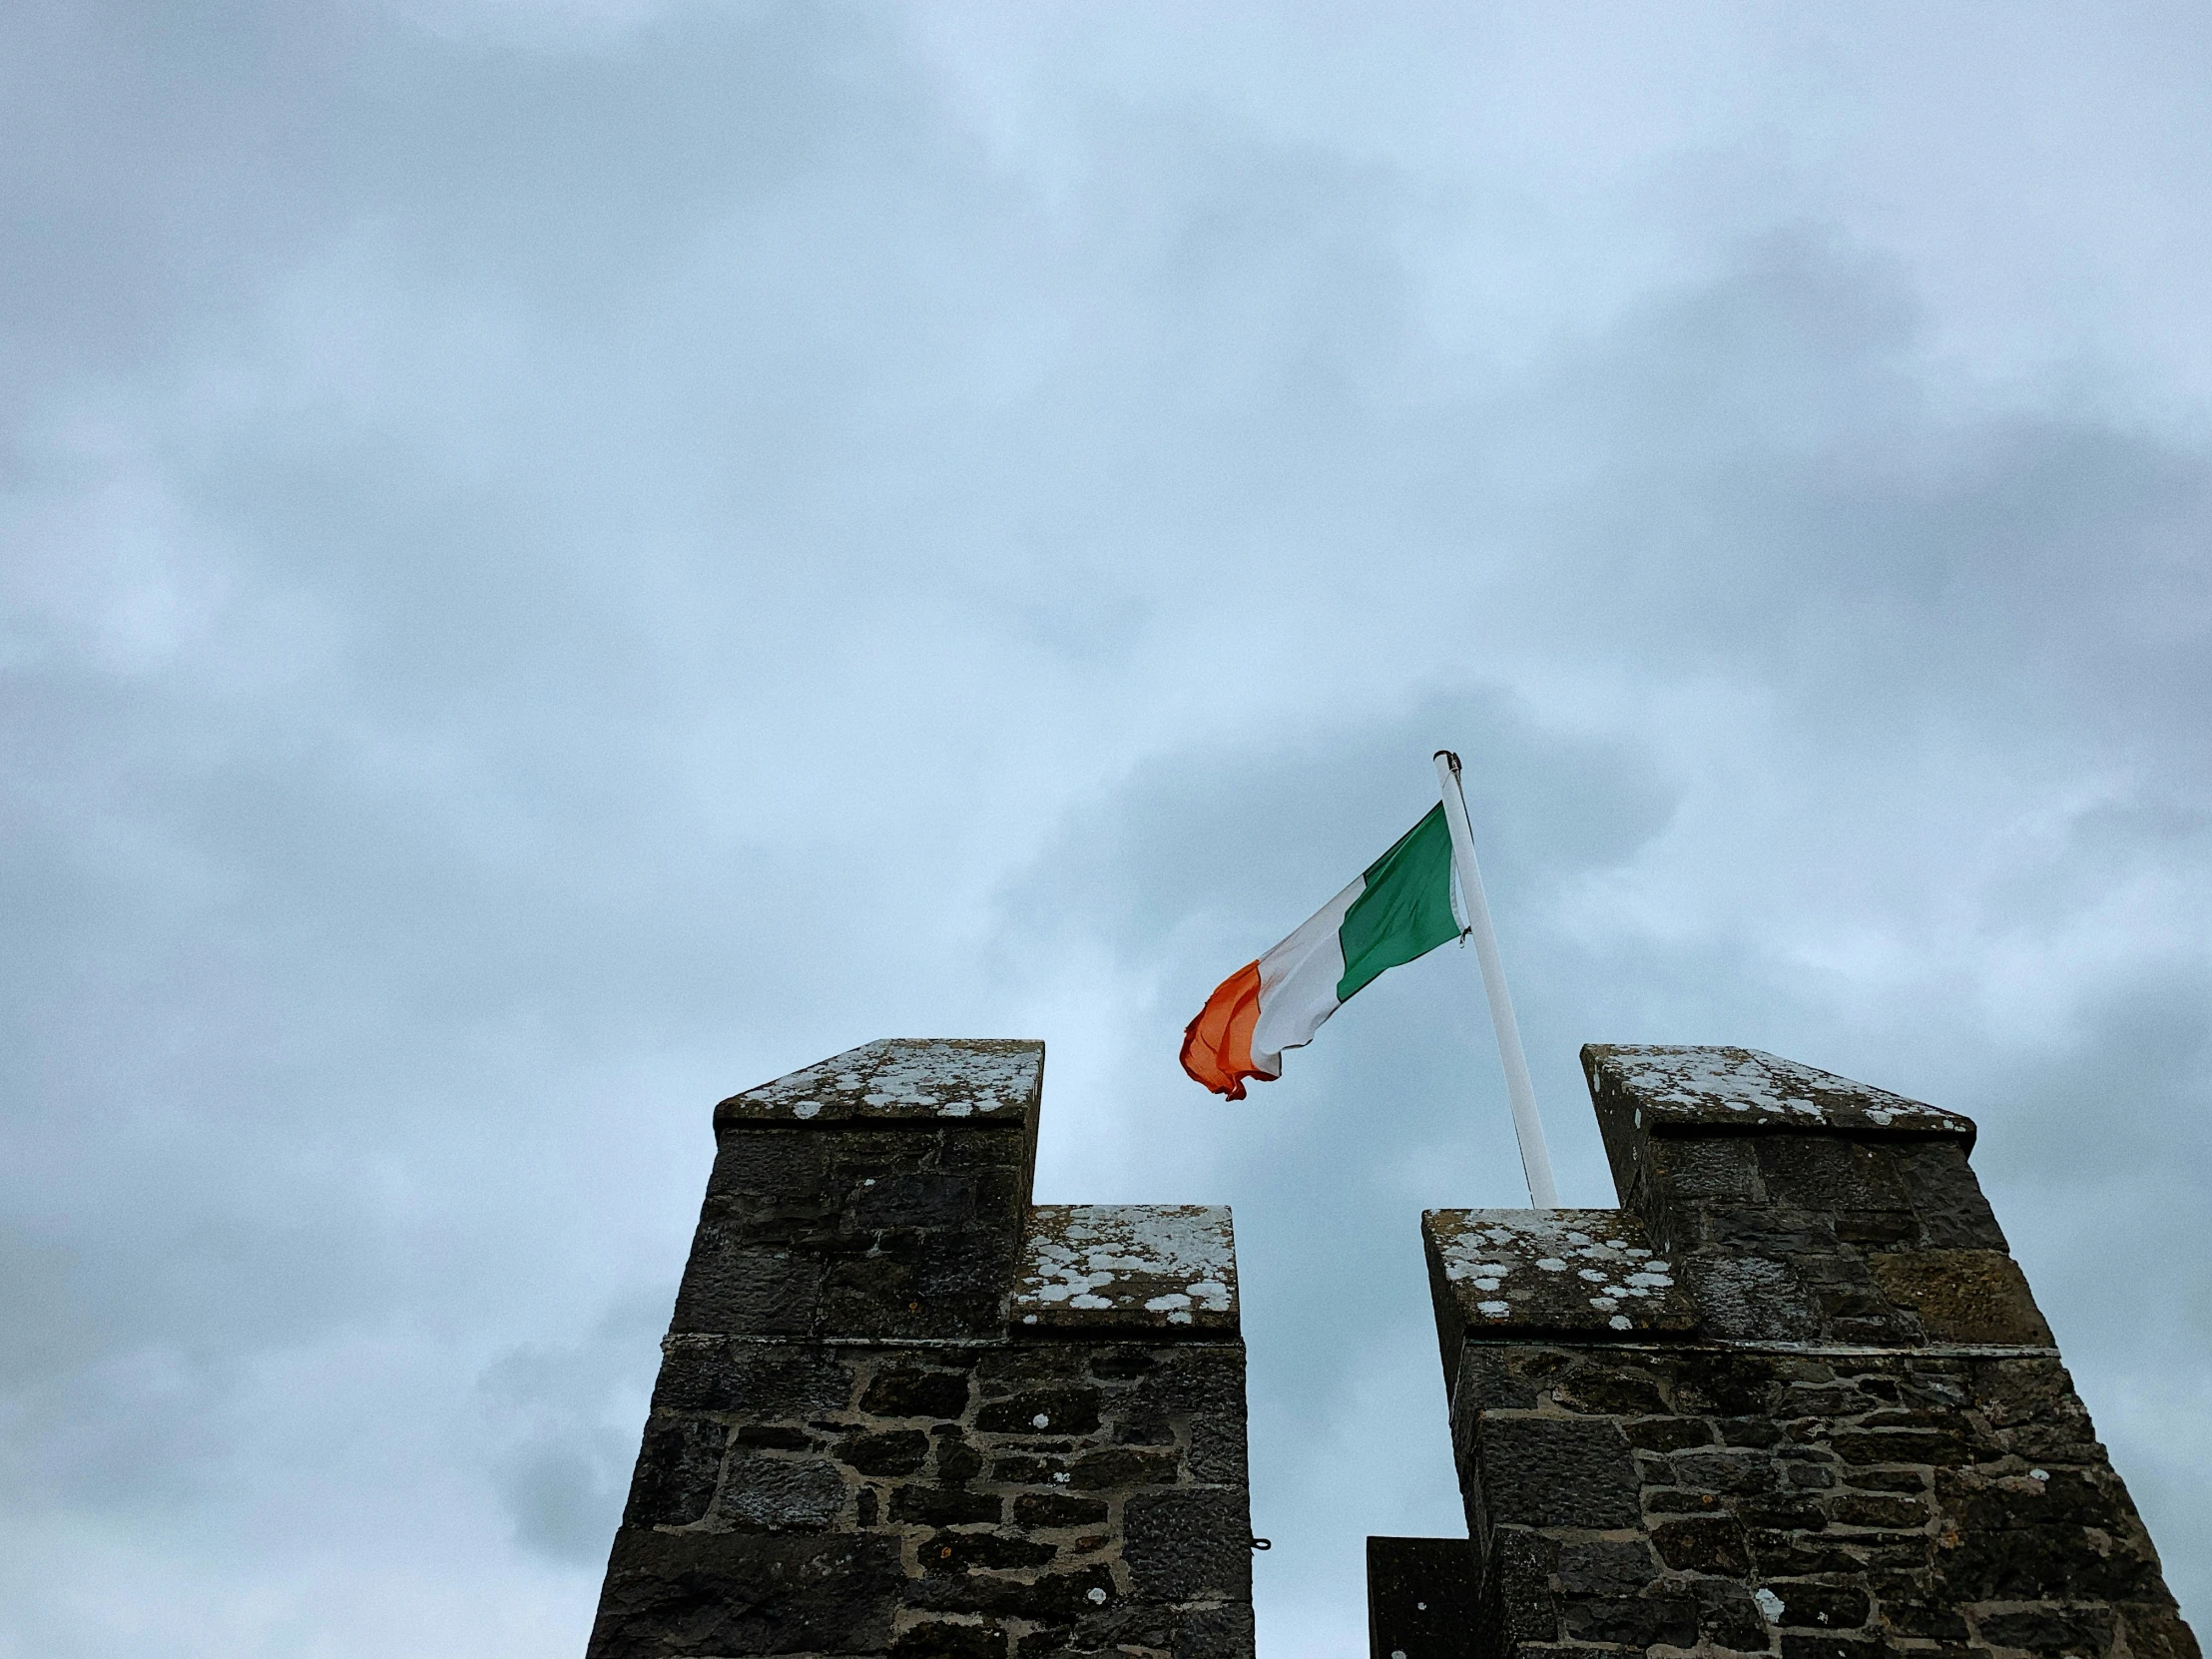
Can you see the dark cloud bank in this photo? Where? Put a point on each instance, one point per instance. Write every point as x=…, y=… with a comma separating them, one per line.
x=559, y=564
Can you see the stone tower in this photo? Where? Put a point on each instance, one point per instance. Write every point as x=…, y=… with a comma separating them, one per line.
x=1792, y=1397
x=903, y=1411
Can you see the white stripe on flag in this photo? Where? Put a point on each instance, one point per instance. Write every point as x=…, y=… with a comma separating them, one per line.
x=1298, y=982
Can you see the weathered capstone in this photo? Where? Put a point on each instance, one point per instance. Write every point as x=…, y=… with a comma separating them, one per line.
x=1794, y=1398
x=904, y=1412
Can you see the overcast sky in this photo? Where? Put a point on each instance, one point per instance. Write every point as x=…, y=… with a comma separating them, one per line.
x=562, y=558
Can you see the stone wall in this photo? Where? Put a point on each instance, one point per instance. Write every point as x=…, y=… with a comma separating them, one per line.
x=902, y=1411
x=1795, y=1398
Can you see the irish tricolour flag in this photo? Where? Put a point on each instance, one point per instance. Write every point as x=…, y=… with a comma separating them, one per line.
x=1401, y=908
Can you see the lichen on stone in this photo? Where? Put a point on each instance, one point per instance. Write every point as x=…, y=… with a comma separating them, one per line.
x=1100, y=1262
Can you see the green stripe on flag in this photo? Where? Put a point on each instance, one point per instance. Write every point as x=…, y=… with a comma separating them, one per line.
x=1405, y=910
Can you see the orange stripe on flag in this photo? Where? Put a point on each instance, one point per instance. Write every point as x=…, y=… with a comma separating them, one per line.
x=1217, y=1046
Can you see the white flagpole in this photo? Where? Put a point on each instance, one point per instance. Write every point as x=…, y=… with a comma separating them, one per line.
x=1536, y=1157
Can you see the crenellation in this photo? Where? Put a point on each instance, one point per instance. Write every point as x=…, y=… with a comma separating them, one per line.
x=902, y=1411
x=1854, y=1437
x=1793, y=1399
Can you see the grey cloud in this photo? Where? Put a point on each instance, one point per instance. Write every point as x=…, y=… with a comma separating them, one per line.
x=1243, y=836
x=559, y=1431
x=557, y=567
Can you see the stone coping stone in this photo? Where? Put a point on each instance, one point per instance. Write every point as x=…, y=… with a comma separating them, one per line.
x=936, y=1081
x=1132, y=1267
x=1675, y=1090
x=1569, y=1272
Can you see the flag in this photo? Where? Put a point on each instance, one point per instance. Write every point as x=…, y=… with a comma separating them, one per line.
x=1398, y=909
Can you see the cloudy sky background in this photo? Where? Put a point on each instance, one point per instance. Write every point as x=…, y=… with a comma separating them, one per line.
x=560, y=560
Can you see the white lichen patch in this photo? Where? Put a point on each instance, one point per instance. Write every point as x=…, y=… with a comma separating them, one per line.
x=1572, y=1268
x=1174, y=1263
x=1719, y=1084
x=905, y=1077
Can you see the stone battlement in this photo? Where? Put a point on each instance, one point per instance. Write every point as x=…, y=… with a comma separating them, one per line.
x=1794, y=1398
x=903, y=1411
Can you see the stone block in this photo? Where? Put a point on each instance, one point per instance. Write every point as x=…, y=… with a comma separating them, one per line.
x=947, y=1282
x=927, y=1505
x=1487, y=1378
x=2154, y=1630
x=956, y=1458
x=1201, y=1378
x=765, y=1383
x=1498, y=1272
x=1049, y=1410
x=884, y=1451
x=1659, y=1619
x=1751, y=1298
x=1704, y=1172
x=1002, y=1369
x=2058, y=1563
x=1124, y=1267
x=1048, y=1511
x=733, y=1286
x=1725, y=1471
x=753, y=1171
x=1963, y=1296
x=948, y=1080
x=1217, y=1451
x=1124, y=1467
x=919, y=1198
x=1702, y=1543
x=770, y=1438
x=1864, y=1509
x=946, y=1553
x=1712, y=1383
x=678, y=1467
x=693, y=1593
x=1827, y=1173
x=1223, y=1632
x=1727, y=1617
x=2048, y=1629
x=1516, y=1605
x=1052, y=1598
x=1191, y=1544
x=1556, y=1471
x=1662, y=1090
x=1913, y=1605
x=906, y=1391
x=1603, y=1567
x=1947, y=1201
x=1667, y=1434
x=1814, y=1605
x=763, y=1491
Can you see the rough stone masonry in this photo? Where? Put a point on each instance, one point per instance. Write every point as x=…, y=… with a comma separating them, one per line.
x=903, y=1411
x=1793, y=1399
